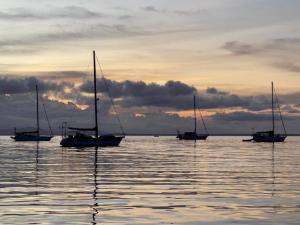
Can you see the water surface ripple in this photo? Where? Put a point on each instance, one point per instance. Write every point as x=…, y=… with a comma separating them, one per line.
x=151, y=180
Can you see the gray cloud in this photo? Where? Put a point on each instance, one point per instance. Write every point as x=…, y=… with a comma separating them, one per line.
x=238, y=48
x=280, y=45
x=34, y=43
x=129, y=94
x=248, y=116
x=68, y=12
x=291, y=98
x=287, y=41
x=26, y=85
x=141, y=94
x=174, y=94
x=140, y=88
x=191, y=12
x=282, y=52
x=291, y=109
x=289, y=66
x=143, y=107
x=151, y=8
x=213, y=90
x=61, y=75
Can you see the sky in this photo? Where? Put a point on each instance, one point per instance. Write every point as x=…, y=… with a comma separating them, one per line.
x=155, y=56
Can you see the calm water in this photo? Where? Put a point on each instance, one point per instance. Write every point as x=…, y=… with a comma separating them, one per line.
x=151, y=181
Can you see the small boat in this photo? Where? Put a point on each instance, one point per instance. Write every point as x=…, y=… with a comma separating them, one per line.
x=80, y=139
x=270, y=136
x=193, y=134
x=34, y=135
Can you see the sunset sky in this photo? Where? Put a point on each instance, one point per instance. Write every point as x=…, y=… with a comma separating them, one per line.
x=226, y=52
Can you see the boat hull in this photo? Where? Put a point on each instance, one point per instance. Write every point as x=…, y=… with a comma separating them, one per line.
x=31, y=138
x=193, y=137
x=102, y=141
x=269, y=139
x=268, y=136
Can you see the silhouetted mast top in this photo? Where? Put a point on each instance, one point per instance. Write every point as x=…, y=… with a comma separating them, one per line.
x=95, y=96
x=37, y=111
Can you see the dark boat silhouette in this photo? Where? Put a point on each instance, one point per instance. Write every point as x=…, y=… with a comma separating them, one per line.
x=192, y=135
x=34, y=135
x=80, y=139
x=270, y=136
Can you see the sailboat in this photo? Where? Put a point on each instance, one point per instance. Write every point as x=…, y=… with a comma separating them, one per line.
x=193, y=135
x=270, y=136
x=34, y=135
x=79, y=139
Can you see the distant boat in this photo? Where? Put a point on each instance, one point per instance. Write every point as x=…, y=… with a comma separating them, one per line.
x=270, y=136
x=79, y=139
x=193, y=134
x=34, y=135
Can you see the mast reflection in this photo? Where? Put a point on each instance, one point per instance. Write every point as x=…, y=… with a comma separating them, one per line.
x=95, y=205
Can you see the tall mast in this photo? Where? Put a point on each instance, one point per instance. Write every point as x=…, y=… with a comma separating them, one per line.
x=195, y=118
x=37, y=111
x=273, y=123
x=95, y=96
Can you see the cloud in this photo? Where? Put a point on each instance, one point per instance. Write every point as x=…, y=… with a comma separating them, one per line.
x=291, y=98
x=173, y=94
x=130, y=94
x=26, y=85
x=288, y=41
x=241, y=116
x=64, y=75
x=151, y=8
x=289, y=66
x=238, y=48
x=213, y=90
x=143, y=107
x=283, y=53
x=36, y=42
x=68, y=12
x=278, y=45
x=140, y=88
x=291, y=109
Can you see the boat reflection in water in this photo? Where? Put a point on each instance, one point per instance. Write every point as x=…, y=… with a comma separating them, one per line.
x=95, y=205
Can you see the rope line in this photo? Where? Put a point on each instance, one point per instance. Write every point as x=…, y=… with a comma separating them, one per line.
x=202, y=119
x=278, y=106
x=51, y=132
x=203, y=122
x=110, y=98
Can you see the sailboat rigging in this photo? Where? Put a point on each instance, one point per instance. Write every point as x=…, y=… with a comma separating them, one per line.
x=79, y=139
x=193, y=135
x=270, y=136
x=34, y=135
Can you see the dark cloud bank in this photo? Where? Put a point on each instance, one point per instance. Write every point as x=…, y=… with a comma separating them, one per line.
x=143, y=108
